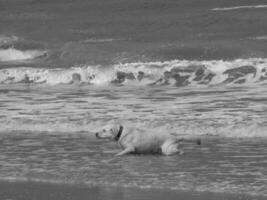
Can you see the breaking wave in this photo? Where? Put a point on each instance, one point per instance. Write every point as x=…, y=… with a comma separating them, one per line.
x=175, y=73
x=239, y=7
x=9, y=52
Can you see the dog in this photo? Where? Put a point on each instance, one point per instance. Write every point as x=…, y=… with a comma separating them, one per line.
x=136, y=141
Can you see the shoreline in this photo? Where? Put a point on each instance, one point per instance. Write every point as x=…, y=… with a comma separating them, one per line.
x=30, y=190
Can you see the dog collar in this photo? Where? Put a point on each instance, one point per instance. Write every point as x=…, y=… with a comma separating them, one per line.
x=119, y=134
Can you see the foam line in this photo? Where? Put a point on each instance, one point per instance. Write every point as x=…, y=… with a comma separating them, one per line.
x=239, y=7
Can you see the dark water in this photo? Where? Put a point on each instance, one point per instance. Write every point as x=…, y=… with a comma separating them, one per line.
x=100, y=32
x=195, y=67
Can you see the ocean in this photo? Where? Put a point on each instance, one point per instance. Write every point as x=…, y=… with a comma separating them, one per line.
x=191, y=67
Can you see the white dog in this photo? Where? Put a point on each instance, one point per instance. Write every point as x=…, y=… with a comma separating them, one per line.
x=133, y=141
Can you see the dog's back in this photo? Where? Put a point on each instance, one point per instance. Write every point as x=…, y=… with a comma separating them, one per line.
x=145, y=142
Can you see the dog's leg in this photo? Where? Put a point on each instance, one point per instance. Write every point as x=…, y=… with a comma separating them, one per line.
x=180, y=151
x=187, y=139
x=126, y=151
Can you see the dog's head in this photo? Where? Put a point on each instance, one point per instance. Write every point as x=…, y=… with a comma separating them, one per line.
x=111, y=132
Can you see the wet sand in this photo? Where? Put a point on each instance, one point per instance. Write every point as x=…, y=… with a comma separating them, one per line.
x=51, y=191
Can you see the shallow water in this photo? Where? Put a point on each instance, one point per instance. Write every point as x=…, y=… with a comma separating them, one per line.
x=219, y=165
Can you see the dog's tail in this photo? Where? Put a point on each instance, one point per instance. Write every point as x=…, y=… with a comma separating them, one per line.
x=187, y=139
x=191, y=140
